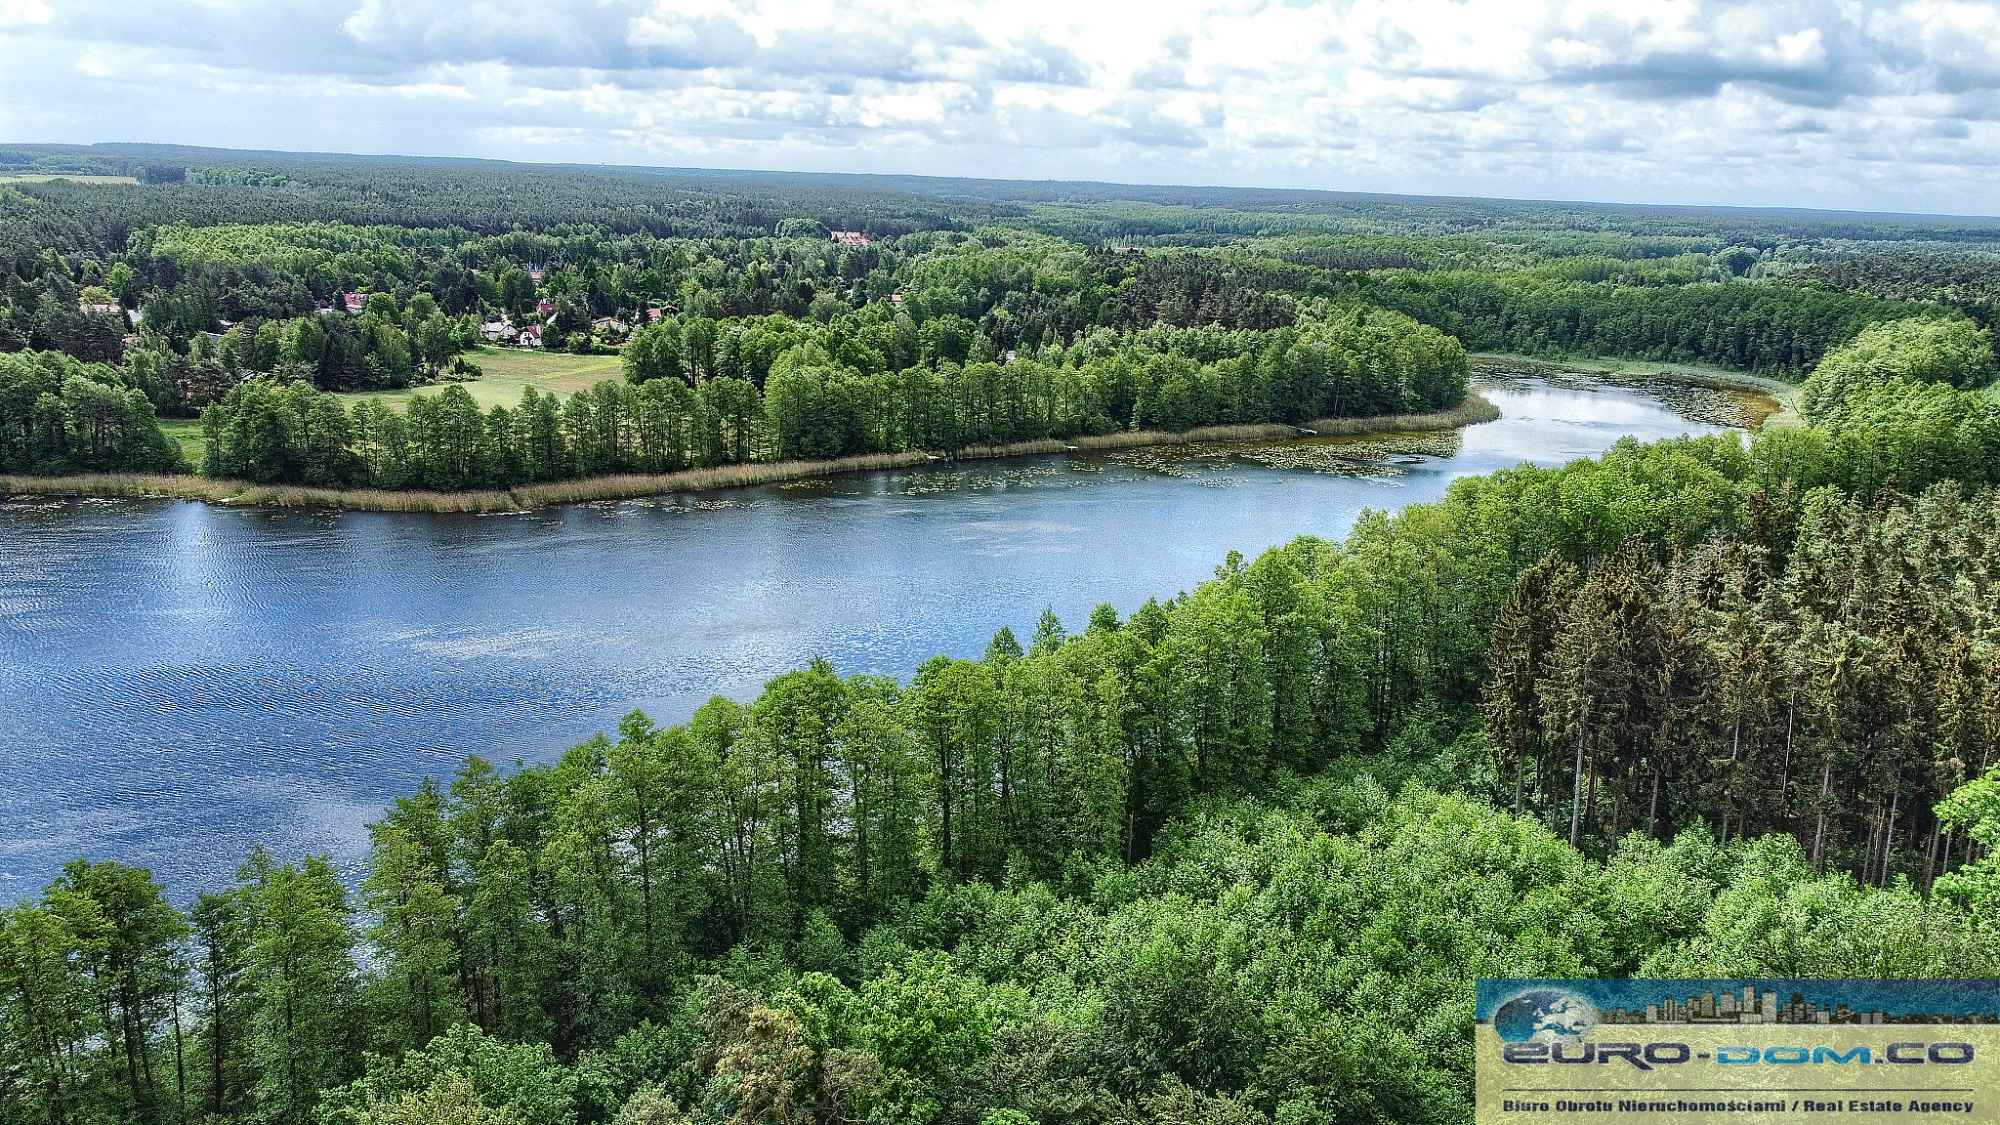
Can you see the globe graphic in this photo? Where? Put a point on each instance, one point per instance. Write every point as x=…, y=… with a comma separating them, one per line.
x=1545, y=1015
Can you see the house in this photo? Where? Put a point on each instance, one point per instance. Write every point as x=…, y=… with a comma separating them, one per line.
x=545, y=308
x=529, y=337
x=535, y=274
x=653, y=315
x=497, y=332
x=896, y=299
x=854, y=238
x=96, y=308
x=353, y=303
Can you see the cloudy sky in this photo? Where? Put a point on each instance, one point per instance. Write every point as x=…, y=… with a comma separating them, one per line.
x=1837, y=103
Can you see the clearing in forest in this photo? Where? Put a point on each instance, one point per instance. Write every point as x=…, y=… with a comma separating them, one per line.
x=507, y=371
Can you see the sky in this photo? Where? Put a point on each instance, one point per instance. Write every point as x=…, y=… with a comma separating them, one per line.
x=1838, y=103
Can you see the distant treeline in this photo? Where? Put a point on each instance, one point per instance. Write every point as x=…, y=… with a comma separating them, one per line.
x=1753, y=326
x=585, y=257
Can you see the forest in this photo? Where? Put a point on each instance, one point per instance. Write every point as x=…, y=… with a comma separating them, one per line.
x=1723, y=706
x=230, y=287
x=829, y=393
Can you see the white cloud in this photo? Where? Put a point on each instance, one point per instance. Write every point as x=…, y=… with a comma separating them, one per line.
x=1749, y=101
x=25, y=13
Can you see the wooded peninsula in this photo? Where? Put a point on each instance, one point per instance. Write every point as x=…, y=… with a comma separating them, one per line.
x=1725, y=706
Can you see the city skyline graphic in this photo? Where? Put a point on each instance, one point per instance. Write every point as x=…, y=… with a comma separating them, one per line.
x=1766, y=1001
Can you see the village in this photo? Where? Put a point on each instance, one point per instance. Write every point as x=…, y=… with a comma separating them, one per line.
x=529, y=330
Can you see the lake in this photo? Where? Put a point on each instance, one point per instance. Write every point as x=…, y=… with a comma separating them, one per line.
x=178, y=681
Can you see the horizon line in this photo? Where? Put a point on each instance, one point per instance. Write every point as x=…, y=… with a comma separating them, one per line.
x=716, y=169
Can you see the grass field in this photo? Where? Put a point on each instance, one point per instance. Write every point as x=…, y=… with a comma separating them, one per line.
x=509, y=370
x=185, y=432
x=42, y=178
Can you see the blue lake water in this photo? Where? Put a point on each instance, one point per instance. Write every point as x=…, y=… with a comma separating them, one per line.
x=178, y=681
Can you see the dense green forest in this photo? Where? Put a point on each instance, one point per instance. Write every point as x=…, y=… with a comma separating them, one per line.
x=1722, y=706
x=942, y=314
x=829, y=392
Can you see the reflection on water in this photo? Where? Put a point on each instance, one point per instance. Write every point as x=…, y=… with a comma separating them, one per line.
x=181, y=680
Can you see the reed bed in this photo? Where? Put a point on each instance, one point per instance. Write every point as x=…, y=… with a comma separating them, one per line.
x=170, y=486
x=1126, y=439
x=627, y=486
x=1014, y=449
x=373, y=499
x=1474, y=410
x=1132, y=439
x=188, y=486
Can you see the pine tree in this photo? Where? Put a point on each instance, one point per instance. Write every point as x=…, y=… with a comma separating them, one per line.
x=1524, y=637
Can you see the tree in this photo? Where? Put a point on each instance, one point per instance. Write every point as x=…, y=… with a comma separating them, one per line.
x=418, y=931
x=1593, y=692
x=1973, y=810
x=51, y=1011
x=953, y=714
x=131, y=936
x=1524, y=639
x=795, y=723
x=303, y=975
x=221, y=931
x=464, y=1076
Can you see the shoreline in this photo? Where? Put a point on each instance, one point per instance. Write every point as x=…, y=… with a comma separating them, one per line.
x=629, y=486
x=1785, y=394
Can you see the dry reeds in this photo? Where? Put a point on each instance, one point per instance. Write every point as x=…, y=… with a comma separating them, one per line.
x=372, y=499
x=625, y=486
x=170, y=486
x=1014, y=449
x=1474, y=410
x=1249, y=432
x=1127, y=439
